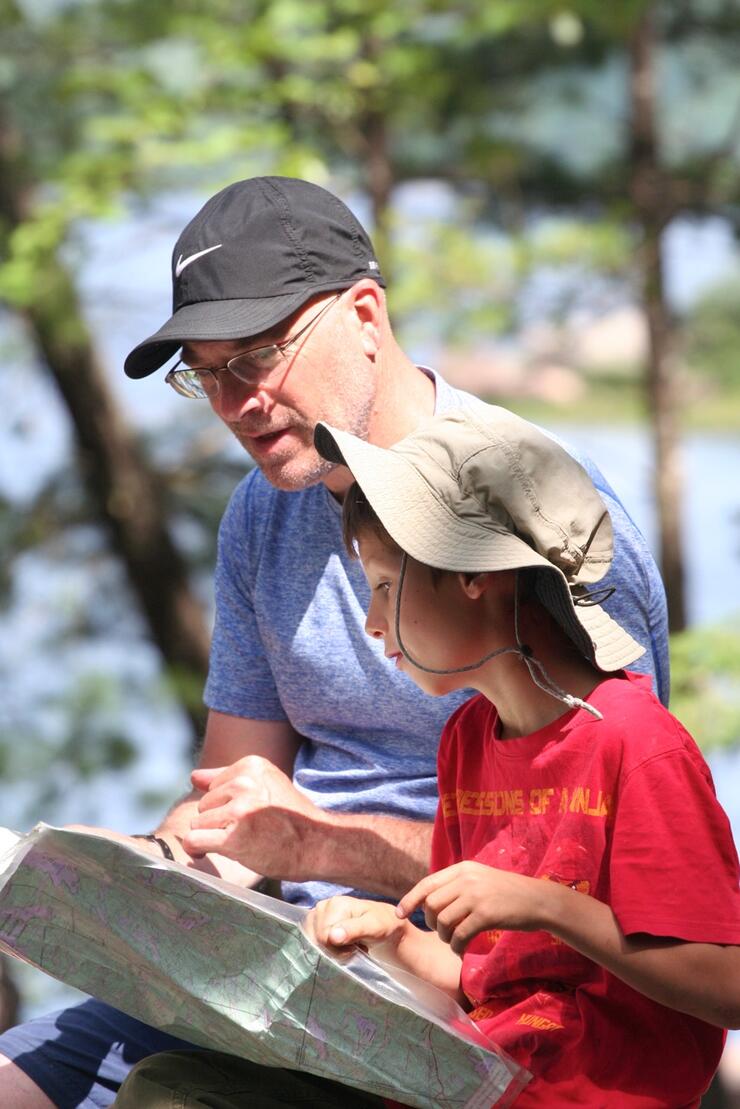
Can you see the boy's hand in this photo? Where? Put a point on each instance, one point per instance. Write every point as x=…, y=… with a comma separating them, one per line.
x=343, y=921
x=467, y=898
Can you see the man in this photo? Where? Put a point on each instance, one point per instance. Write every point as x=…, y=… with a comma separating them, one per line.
x=318, y=764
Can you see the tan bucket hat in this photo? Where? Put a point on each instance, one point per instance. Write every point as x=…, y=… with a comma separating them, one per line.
x=481, y=489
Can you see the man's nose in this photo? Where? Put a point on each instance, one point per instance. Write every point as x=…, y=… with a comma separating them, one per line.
x=235, y=399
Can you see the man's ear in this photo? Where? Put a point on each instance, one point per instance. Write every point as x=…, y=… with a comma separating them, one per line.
x=366, y=300
x=475, y=585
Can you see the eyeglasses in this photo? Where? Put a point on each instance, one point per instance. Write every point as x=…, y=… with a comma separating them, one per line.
x=253, y=367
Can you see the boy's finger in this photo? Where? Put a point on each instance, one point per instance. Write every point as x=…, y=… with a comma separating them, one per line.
x=419, y=893
x=462, y=934
x=353, y=929
x=309, y=924
x=416, y=896
x=328, y=914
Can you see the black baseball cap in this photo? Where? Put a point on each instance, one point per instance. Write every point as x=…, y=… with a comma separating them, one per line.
x=252, y=256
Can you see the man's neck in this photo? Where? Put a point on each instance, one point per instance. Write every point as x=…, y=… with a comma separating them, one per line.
x=405, y=397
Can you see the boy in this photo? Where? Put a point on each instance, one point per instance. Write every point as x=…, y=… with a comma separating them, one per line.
x=584, y=894
x=583, y=898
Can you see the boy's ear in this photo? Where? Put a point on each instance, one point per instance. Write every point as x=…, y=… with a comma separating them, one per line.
x=474, y=585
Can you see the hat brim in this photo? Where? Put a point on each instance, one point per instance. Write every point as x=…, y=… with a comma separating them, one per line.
x=424, y=526
x=218, y=320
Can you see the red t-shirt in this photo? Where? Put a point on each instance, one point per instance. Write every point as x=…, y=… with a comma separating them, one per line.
x=622, y=810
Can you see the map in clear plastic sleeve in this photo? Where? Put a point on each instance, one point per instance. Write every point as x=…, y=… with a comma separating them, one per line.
x=232, y=969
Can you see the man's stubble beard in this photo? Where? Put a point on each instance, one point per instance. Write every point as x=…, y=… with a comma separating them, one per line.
x=308, y=468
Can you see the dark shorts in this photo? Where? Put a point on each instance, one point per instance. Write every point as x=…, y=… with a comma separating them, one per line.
x=80, y=1056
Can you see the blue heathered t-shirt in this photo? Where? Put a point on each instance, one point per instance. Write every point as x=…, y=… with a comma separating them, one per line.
x=289, y=644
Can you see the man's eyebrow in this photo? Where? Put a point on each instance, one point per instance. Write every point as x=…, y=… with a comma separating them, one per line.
x=277, y=334
x=240, y=345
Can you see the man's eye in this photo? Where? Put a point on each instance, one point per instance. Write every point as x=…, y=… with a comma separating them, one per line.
x=261, y=358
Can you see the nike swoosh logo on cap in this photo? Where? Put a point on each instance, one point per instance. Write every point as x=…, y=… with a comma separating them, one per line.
x=183, y=262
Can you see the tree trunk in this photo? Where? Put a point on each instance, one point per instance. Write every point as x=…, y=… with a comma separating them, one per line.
x=651, y=202
x=127, y=493
x=374, y=153
x=379, y=178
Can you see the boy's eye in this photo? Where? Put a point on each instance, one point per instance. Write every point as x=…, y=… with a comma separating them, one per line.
x=383, y=585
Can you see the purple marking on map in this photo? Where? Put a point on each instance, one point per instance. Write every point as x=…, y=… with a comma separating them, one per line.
x=13, y=921
x=315, y=1030
x=366, y=1030
x=61, y=873
x=190, y=919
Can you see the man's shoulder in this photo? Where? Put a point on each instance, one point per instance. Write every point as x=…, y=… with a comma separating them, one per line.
x=448, y=397
x=260, y=518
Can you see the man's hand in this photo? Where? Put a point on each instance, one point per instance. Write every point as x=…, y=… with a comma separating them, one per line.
x=467, y=898
x=251, y=812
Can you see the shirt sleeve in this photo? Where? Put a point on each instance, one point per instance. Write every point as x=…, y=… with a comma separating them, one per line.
x=240, y=679
x=674, y=867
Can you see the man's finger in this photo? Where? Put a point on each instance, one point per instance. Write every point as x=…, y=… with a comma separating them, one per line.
x=216, y=817
x=202, y=776
x=215, y=798
x=201, y=842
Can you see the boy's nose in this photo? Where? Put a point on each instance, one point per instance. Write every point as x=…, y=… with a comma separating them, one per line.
x=375, y=627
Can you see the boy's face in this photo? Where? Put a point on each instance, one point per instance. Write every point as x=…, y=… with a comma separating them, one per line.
x=441, y=625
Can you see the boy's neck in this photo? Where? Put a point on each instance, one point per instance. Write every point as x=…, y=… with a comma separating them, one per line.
x=522, y=707
x=541, y=708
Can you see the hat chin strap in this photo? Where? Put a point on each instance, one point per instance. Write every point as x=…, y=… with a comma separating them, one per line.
x=537, y=671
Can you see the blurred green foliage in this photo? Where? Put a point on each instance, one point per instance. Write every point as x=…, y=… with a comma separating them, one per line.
x=712, y=335
x=705, y=684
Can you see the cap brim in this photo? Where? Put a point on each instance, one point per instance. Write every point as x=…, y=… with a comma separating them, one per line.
x=214, y=320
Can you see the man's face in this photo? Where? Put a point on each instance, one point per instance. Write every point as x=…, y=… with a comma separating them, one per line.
x=324, y=376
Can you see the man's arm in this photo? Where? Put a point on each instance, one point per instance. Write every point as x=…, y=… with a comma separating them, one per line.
x=245, y=814
x=245, y=820
x=227, y=739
